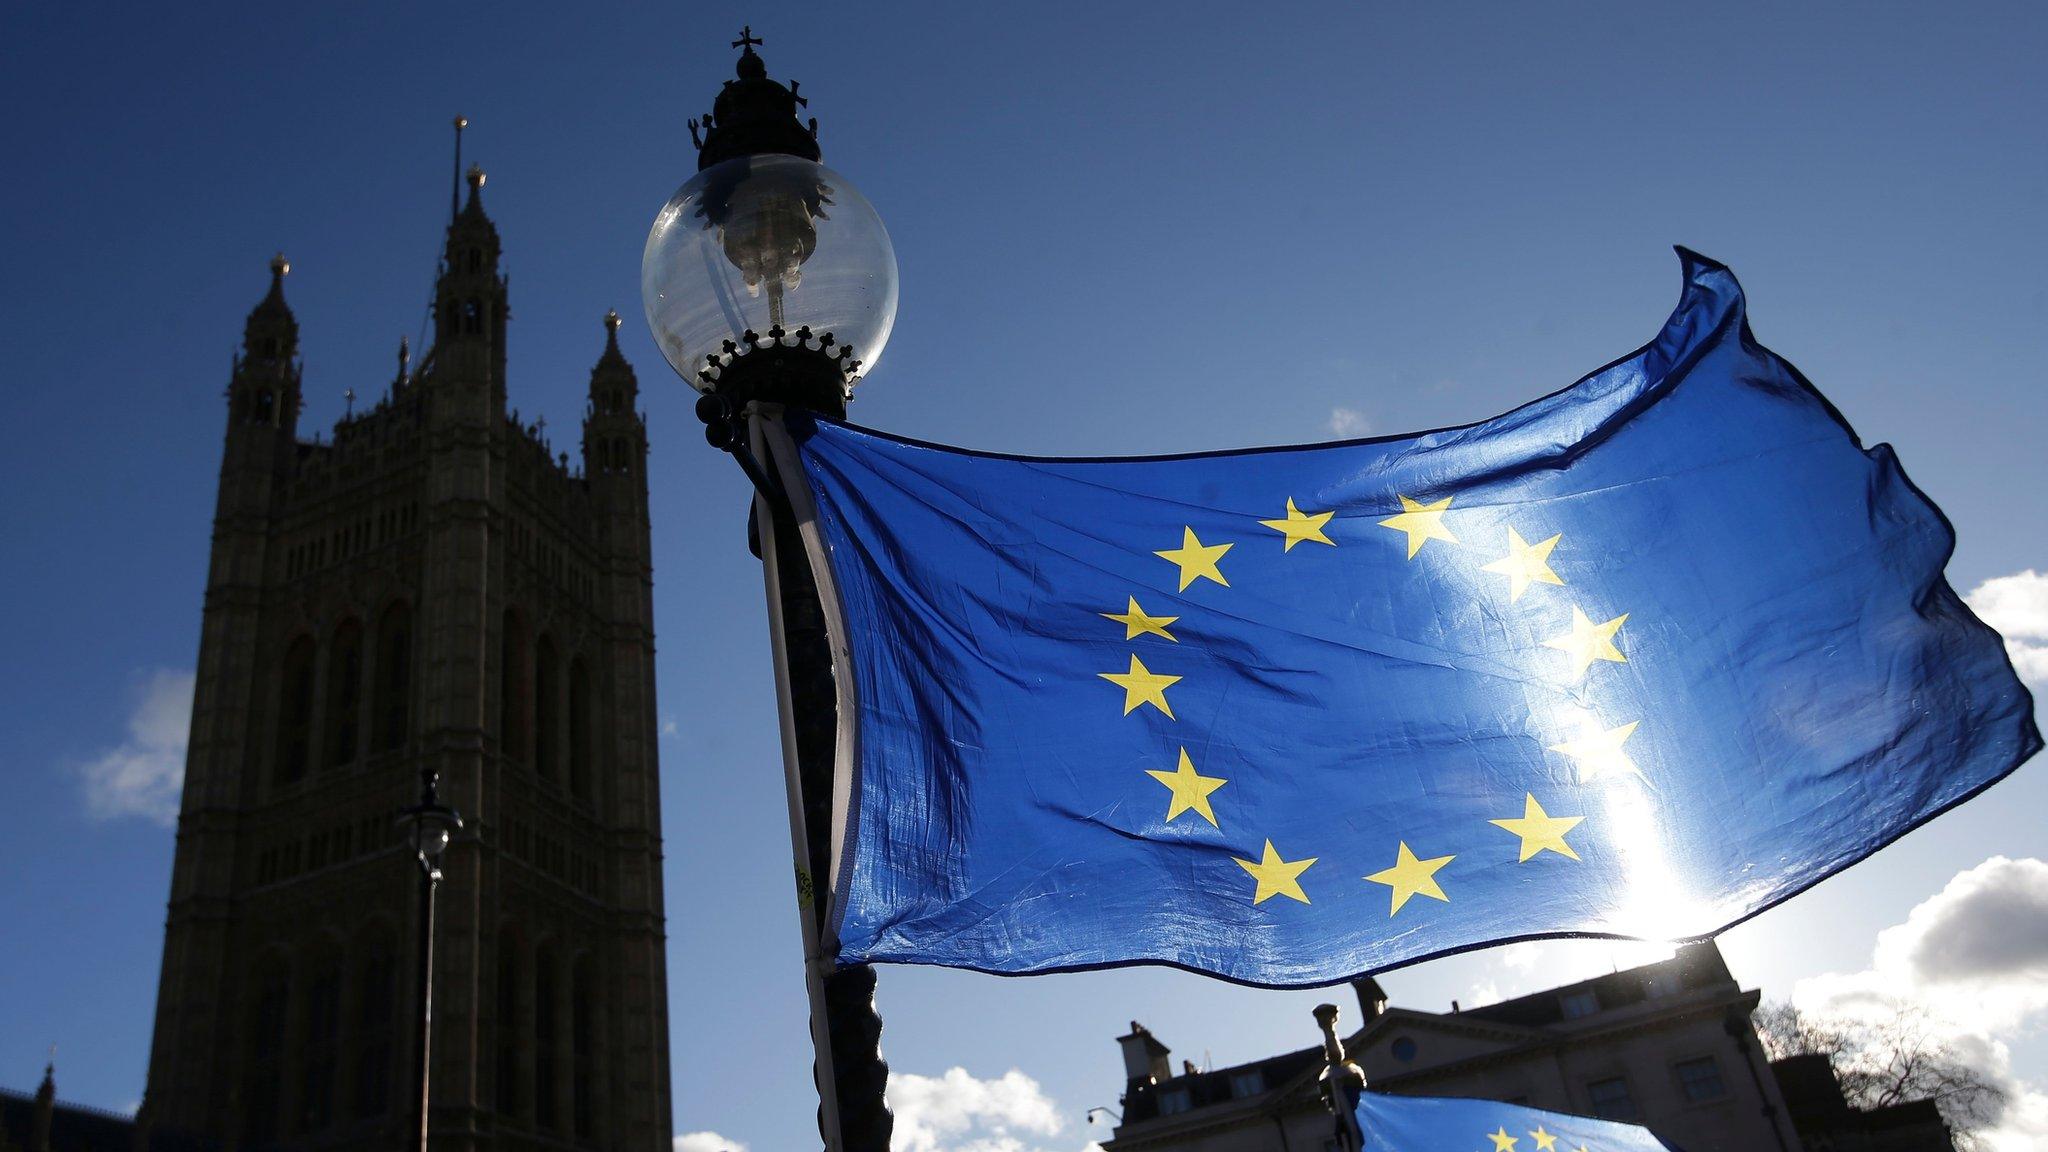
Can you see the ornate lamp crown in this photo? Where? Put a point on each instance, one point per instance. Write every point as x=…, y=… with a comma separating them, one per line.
x=753, y=115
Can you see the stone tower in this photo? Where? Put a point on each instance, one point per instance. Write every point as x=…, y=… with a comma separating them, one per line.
x=433, y=587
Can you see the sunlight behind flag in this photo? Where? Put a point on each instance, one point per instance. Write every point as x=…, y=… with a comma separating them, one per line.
x=1638, y=659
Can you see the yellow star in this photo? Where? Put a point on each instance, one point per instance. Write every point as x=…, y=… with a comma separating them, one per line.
x=1545, y=1142
x=1589, y=642
x=1136, y=623
x=1525, y=564
x=1190, y=789
x=1502, y=1142
x=1142, y=686
x=1422, y=522
x=1196, y=559
x=1301, y=526
x=1411, y=877
x=1276, y=877
x=1600, y=754
x=1539, y=830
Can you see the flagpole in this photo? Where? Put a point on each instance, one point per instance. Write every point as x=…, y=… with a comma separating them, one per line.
x=769, y=529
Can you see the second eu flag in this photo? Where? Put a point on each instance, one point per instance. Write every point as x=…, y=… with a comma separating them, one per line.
x=1641, y=658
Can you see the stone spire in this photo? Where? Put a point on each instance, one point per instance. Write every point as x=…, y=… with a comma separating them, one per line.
x=614, y=437
x=265, y=388
x=46, y=1109
x=470, y=308
x=271, y=334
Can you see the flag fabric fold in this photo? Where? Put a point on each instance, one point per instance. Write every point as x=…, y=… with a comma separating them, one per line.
x=1434, y=1123
x=1641, y=658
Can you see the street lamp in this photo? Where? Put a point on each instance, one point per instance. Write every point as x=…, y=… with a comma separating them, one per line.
x=427, y=826
x=767, y=276
x=770, y=284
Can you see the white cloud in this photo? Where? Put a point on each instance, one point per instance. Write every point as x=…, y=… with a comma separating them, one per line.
x=707, y=1142
x=1349, y=422
x=1521, y=957
x=955, y=1112
x=144, y=775
x=958, y=1113
x=2017, y=605
x=668, y=726
x=1974, y=958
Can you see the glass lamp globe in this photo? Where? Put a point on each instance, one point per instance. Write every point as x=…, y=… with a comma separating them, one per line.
x=427, y=828
x=767, y=241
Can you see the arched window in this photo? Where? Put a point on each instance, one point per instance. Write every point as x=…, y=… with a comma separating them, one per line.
x=295, y=712
x=264, y=1082
x=509, y=1097
x=265, y=403
x=583, y=1047
x=318, y=1055
x=547, y=728
x=514, y=705
x=579, y=729
x=376, y=1009
x=344, y=693
x=546, y=1037
x=393, y=703
x=473, y=316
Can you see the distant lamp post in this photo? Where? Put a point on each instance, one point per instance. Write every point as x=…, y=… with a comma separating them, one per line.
x=770, y=284
x=427, y=826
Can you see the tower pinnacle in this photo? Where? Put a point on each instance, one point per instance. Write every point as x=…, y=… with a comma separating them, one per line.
x=272, y=333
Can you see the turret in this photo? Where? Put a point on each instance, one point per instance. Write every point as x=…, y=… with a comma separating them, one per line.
x=470, y=307
x=45, y=1110
x=264, y=391
x=614, y=434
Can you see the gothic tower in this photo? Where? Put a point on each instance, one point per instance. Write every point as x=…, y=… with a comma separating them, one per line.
x=432, y=587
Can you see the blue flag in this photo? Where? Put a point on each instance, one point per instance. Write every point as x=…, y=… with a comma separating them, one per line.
x=1641, y=658
x=1432, y=1124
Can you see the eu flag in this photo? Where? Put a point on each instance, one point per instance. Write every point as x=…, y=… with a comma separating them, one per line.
x=1430, y=1124
x=1641, y=658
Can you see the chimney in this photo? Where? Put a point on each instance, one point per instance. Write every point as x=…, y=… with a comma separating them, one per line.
x=1372, y=999
x=1701, y=965
x=1145, y=1059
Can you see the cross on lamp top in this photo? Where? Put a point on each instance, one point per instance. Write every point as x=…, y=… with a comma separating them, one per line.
x=747, y=39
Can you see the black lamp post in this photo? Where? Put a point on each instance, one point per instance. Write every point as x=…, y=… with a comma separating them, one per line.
x=770, y=285
x=427, y=825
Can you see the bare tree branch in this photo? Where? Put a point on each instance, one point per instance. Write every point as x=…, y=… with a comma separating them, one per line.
x=1887, y=1062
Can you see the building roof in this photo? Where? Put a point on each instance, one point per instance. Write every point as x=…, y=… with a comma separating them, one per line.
x=1539, y=1018
x=73, y=1127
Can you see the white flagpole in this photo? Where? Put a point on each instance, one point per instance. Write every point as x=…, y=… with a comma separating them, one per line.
x=807, y=913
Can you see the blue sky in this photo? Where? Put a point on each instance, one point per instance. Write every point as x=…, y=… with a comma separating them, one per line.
x=1124, y=229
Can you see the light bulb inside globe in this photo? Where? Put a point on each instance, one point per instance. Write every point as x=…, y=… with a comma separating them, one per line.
x=762, y=243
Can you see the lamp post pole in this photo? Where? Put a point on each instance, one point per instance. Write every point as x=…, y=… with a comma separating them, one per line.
x=765, y=276
x=427, y=825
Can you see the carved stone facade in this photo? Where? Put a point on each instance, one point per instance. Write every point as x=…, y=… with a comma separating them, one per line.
x=431, y=588
x=1668, y=1045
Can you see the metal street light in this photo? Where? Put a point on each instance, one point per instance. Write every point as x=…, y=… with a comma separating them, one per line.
x=770, y=284
x=427, y=826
